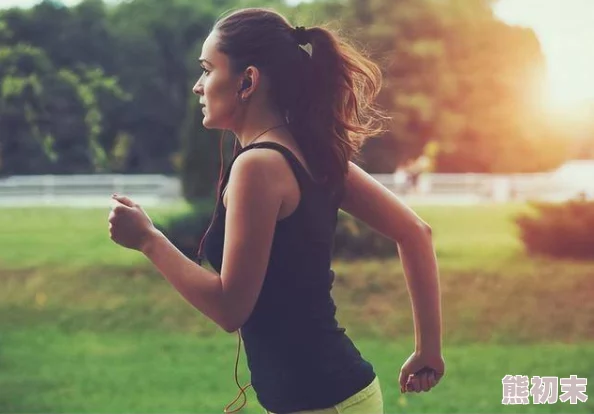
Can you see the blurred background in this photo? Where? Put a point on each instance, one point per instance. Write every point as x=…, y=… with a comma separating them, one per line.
x=491, y=142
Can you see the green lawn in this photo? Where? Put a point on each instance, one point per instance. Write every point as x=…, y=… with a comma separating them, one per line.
x=86, y=326
x=49, y=370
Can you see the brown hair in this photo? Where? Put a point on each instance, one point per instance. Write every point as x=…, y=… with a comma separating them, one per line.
x=327, y=97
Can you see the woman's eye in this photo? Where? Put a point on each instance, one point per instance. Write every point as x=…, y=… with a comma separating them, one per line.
x=205, y=71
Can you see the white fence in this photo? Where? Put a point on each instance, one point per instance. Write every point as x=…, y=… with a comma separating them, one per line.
x=87, y=190
x=95, y=190
x=489, y=188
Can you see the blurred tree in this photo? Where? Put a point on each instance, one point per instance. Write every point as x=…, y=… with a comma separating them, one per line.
x=5, y=34
x=24, y=148
x=109, y=101
x=199, y=156
x=156, y=39
x=451, y=77
x=492, y=122
x=136, y=63
x=69, y=36
x=50, y=119
x=200, y=164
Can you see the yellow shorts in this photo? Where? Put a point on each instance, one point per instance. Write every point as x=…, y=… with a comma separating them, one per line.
x=367, y=401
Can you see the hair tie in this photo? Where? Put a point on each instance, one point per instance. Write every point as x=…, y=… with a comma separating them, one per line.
x=301, y=36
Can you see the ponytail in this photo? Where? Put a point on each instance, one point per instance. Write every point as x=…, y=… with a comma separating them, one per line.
x=337, y=103
x=327, y=96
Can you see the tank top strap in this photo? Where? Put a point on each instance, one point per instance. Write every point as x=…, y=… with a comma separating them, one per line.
x=299, y=170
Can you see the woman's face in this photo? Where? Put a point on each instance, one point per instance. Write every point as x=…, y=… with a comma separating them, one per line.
x=218, y=87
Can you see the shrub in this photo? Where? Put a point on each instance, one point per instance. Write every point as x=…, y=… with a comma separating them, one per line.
x=186, y=229
x=355, y=240
x=559, y=229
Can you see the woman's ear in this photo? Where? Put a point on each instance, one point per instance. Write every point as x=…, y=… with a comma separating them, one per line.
x=250, y=82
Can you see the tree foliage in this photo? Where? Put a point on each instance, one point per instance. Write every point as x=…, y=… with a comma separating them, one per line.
x=451, y=77
x=102, y=87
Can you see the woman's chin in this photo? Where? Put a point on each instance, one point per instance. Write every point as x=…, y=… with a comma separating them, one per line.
x=211, y=124
x=206, y=123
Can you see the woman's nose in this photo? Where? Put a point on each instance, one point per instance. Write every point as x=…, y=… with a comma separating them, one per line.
x=197, y=89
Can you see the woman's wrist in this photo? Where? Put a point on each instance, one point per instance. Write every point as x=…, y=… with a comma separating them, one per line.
x=432, y=346
x=150, y=240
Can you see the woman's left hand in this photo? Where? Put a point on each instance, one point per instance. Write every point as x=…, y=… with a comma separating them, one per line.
x=421, y=371
x=129, y=225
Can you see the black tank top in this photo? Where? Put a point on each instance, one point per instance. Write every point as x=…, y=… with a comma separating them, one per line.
x=298, y=355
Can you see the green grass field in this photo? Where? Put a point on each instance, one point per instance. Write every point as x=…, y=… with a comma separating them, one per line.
x=87, y=326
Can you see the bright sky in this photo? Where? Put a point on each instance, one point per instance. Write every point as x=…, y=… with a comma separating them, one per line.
x=565, y=29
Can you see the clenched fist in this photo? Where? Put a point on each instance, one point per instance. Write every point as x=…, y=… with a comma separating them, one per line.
x=129, y=225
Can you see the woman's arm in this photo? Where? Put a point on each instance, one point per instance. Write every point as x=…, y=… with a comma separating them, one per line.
x=375, y=205
x=253, y=202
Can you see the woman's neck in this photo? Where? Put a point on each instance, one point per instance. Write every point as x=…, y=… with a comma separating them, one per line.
x=257, y=128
